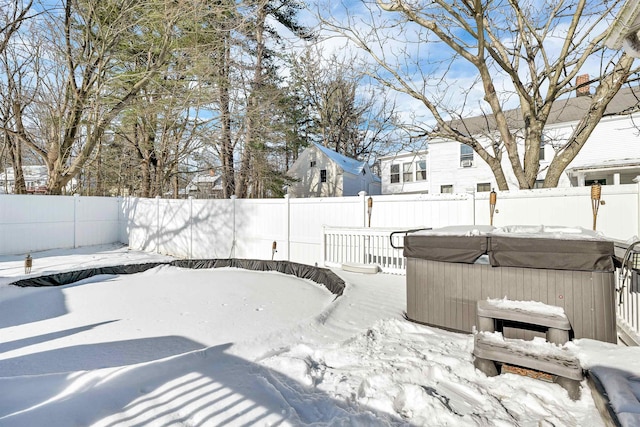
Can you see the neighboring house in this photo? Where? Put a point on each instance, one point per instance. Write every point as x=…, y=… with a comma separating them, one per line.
x=205, y=186
x=405, y=173
x=35, y=178
x=321, y=172
x=611, y=155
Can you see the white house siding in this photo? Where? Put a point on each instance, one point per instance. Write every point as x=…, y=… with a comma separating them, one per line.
x=308, y=184
x=345, y=176
x=353, y=184
x=402, y=187
x=445, y=169
x=615, y=140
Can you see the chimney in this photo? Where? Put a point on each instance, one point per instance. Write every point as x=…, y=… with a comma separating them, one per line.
x=582, y=88
x=212, y=172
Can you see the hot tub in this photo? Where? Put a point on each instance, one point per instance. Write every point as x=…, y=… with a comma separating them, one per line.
x=450, y=269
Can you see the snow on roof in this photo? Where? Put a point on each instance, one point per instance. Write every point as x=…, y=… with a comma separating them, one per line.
x=347, y=164
x=202, y=179
x=608, y=164
x=31, y=172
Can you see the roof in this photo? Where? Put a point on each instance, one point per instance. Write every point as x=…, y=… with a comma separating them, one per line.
x=608, y=164
x=347, y=164
x=562, y=111
x=30, y=172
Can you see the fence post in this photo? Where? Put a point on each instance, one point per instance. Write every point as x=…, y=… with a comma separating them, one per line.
x=76, y=200
x=363, y=207
x=233, y=210
x=637, y=180
x=157, y=224
x=190, y=227
x=323, y=246
x=288, y=207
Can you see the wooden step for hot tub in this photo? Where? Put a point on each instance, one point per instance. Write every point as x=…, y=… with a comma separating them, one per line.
x=526, y=313
x=491, y=348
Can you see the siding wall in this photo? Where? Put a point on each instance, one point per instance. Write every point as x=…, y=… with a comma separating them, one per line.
x=615, y=138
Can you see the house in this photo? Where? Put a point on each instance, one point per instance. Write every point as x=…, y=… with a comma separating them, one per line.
x=611, y=156
x=405, y=173
x=321, y=172
x=35, y=178
x=205, y=186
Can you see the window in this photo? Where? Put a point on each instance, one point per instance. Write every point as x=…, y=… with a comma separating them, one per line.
x=312, y=164
x=323, y=175
x=466, y=156
x=407, y=172
x=483, y=187
x=542, y=147
x=446, y=189
x=395, y=174
x=421, y=170
x=539, y=183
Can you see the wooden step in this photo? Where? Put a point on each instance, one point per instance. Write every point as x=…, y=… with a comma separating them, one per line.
x=529, y=313
x=492, y=347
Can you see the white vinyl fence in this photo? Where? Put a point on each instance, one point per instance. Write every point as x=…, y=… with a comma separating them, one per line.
x=247, y=228
x=35, y=223
x=321, y=231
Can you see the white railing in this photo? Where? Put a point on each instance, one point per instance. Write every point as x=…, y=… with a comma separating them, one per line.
x=628, y=296
x=363, y=246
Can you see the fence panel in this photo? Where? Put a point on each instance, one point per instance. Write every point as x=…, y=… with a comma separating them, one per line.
x=212, y=225
x=308, y=216
x=259, y=223
x=142, y=223
x=617, y=217
x=421, y=210
x=33, y=223
x=174, y=227
x=97, y=220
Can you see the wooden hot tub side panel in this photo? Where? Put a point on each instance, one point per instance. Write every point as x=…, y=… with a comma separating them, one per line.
x=444, y=294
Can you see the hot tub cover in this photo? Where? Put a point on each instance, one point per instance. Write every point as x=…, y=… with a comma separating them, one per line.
x=465, y=249
x=553, y=254
x=543, y=247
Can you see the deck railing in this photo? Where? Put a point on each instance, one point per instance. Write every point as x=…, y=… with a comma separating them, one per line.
x=628, y=292
x=363, y=246
x=373, y=246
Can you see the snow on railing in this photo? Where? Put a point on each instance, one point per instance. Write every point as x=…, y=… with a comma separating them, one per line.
x=362, y=246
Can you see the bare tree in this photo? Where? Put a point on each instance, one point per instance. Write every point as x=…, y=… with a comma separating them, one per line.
x=523, y=54
x=92, y=91
x=345, y=114
x=12, y=17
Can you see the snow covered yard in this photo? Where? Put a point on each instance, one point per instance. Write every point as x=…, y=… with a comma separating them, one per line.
x=231, y=347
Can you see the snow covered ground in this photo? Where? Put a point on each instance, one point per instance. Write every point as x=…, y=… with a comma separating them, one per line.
x=233, y=347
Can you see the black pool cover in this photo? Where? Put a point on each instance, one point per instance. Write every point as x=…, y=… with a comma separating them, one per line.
x=322, y=276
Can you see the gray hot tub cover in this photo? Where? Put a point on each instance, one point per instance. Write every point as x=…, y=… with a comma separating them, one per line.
x=554, y=248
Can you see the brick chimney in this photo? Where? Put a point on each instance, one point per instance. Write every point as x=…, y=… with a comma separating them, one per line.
x=580, y=89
